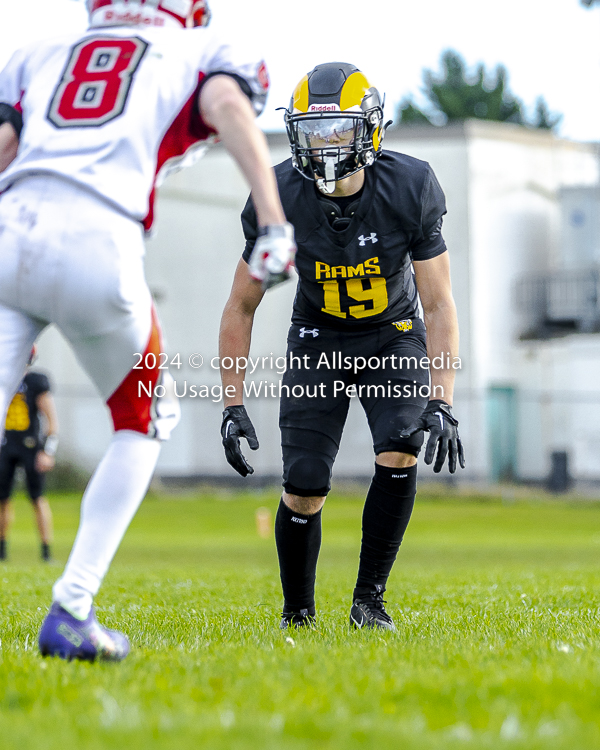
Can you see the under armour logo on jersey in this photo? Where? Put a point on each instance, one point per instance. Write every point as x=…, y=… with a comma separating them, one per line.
x=314, y=332
x=363, y=240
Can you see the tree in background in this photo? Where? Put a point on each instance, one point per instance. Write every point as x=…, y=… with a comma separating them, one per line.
x=454, y=95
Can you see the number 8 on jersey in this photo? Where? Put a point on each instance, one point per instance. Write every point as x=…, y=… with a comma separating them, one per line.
x=96, y=81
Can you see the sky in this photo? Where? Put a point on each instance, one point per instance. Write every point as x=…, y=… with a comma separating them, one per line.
x=550, y=47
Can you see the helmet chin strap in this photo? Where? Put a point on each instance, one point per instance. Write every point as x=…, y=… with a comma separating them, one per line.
x=327, y=185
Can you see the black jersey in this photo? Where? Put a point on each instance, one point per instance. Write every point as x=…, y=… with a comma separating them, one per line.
x=362, y=276
x=22, y=419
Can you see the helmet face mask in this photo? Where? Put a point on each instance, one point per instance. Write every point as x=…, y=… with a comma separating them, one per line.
x=334, y=124
x=329, y=146
x=157, y=13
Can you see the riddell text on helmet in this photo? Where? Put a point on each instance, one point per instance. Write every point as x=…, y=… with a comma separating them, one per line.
x=128, y=18
x=324, y=108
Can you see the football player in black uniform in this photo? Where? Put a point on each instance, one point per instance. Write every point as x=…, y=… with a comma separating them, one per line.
x=26, y=442
x=368, y=230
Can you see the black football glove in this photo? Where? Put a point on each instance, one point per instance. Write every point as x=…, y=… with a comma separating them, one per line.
x=437, y=419
x=236, y=424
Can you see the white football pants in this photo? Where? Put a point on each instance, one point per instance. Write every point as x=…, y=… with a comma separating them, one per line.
x=69, y=258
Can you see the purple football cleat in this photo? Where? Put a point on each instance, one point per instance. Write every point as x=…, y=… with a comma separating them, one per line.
x=65, y=636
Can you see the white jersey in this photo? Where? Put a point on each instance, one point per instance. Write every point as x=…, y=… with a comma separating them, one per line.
x=113, y=109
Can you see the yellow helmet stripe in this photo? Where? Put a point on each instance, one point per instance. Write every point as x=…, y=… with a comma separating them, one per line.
x=300, y=96
x=353, y=90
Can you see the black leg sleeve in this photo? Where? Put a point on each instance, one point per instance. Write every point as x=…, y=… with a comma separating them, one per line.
x=386, y=514
x=298, y=540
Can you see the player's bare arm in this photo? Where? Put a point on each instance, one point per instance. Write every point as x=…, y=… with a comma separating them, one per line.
x=434, y=287
x=234, y=341
x=236, y=328
x=45, y=458
x=435, y=290
x=224, y=106
x=9, y=143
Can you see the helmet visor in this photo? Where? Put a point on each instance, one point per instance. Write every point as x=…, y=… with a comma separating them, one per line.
x=322, y=132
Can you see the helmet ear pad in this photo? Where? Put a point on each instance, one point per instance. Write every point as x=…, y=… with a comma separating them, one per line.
x=201, y=13
x=367, y=157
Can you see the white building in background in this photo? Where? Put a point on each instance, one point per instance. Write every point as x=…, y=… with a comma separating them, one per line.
x=521, y=208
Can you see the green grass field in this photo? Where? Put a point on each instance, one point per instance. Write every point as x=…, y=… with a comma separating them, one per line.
x=497, y=645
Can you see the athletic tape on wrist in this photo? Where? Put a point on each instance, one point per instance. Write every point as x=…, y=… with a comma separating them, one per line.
x=51, y=445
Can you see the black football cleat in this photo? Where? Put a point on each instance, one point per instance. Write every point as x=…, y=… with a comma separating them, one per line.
x=368, y=610
x=301, y=619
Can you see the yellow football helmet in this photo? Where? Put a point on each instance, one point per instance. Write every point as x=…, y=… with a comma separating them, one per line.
x=334, y=124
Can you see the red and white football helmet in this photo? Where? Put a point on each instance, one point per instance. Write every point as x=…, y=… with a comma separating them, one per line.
x=158, y=13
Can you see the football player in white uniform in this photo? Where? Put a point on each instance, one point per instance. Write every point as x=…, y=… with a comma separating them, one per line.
x=87, y=125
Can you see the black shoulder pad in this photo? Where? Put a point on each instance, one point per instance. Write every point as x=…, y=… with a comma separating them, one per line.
x=9, y=114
